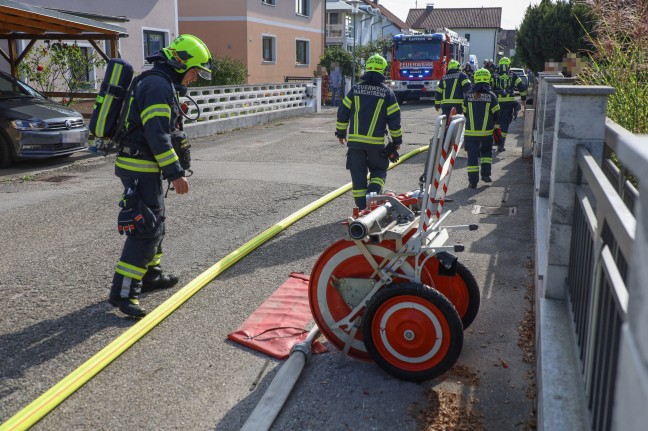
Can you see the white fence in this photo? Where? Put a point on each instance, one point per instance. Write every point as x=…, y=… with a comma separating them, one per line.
x=226, y=108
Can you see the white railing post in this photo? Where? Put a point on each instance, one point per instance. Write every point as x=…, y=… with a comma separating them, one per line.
x=318, y=94
x=540, y=104
x=545, y=142
x=631, y=394
x=580, y=120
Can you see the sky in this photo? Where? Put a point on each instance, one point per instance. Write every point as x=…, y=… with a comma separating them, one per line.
x=512, y=10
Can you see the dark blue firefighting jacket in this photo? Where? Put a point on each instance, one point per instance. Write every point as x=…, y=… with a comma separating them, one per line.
x=452, y=88
x=367, y=111
x=482, y=112
x=152, y=114
x=504, y=85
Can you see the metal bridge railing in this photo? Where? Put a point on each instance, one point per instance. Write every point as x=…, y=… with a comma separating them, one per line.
x=591, y=261
x=602, y=237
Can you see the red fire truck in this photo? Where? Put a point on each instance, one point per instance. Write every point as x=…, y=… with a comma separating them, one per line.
x=419, y=61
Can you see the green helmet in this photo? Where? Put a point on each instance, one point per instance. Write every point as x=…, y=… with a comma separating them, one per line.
x=482, y=75
x=376, y=63
x=187, y=51
x=454, y=64
x=504, y=61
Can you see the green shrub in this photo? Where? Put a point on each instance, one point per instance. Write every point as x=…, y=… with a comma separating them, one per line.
x=619, y=59
x=225, y=71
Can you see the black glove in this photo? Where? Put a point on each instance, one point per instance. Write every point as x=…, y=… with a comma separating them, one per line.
x=126, y=221
x=391, y=151
x=497, y=135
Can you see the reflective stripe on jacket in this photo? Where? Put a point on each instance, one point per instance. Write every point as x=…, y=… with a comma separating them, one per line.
x=152, y=114
x=452, y=88
x=482, y=113
x=504, y=86
x=368, y=111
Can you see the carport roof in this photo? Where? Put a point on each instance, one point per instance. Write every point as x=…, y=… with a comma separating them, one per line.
x=17, y=18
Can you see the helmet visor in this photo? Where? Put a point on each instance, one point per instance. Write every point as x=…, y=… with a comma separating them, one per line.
x=204, y=70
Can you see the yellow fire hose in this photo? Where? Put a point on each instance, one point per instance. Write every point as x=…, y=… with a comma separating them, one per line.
x=42, y=405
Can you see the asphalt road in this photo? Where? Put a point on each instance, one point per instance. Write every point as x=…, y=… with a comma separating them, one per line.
x=60, y=247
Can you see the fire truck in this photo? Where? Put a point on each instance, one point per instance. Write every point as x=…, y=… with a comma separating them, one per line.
x=419, y=61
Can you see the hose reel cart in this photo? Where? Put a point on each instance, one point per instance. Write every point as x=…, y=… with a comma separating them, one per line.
x=391, y=291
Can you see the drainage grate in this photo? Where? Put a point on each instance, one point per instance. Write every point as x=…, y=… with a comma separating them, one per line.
x=57, y=178
x=501, y=210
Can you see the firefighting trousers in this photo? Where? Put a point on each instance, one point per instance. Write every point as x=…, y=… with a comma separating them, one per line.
x=142, y=250
x=506, y=117
x=480, y=153
x=361, y=161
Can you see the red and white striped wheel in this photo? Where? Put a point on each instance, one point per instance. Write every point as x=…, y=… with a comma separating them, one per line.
x=412, y=331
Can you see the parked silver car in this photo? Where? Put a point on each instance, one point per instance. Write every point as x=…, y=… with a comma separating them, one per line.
x=34, y=127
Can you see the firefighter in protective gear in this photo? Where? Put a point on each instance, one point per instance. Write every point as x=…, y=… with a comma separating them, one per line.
x=367, y=112
x=451, y=89
x=505, y=83
x=482, y=115
x=146, y=156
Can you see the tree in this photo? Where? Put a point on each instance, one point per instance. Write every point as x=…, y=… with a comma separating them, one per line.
x=551, y=30
x=60, y=66
x=225, y=71
x=335, y=54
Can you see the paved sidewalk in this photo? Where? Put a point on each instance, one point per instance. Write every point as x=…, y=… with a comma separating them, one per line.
x=184, y=374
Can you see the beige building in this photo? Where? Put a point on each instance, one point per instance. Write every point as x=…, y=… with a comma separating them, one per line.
x=150, y=25
x=273, y=38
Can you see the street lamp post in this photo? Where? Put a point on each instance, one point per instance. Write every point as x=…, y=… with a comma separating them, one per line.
x=354, y=12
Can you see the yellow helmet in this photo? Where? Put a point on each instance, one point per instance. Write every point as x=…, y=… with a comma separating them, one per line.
x=376, y=63
x=504, y=61
x=187, y=51
x=482, y=75
x=454, y=64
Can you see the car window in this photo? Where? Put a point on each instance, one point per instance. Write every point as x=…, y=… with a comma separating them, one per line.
x=11, y=88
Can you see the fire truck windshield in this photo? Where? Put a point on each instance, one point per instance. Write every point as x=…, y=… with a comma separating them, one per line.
x=427, y=50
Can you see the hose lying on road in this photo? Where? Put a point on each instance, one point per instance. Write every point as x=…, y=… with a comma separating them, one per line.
x=277, y=393
x=42, y=405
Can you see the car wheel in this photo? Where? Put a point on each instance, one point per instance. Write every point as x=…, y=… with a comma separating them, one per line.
x=6, y=157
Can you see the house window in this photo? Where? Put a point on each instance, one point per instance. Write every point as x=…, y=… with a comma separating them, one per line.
x=468, y=37
x=303, y=7
x=301, y=52
x=82, y=73
x=154, y=41
x=268, y=2
x=269, y=50
x=350, y=28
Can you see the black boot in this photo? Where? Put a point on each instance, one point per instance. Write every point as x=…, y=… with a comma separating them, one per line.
x=128, y=306
x=154, y=279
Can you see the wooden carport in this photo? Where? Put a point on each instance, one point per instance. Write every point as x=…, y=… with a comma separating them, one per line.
x=19, y=21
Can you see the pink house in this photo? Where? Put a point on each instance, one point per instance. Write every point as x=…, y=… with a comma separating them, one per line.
x=273, y=38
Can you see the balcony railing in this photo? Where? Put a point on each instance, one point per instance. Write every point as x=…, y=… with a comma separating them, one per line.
x=339, y=30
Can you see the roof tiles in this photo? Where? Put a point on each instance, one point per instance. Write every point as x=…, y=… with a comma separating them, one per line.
x=434, y=18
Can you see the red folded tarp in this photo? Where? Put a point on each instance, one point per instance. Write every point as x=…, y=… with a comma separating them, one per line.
x=280, y=322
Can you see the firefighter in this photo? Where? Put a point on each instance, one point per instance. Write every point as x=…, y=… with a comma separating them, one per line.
x=482, y=115
x=367, y=112
x=504, y=85
x=451, y=89
x=152, y=149
x=468, y=70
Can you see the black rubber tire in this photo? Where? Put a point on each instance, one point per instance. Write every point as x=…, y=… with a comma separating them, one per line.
x=6, y=157
x=433, y=301
x=474, y=296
